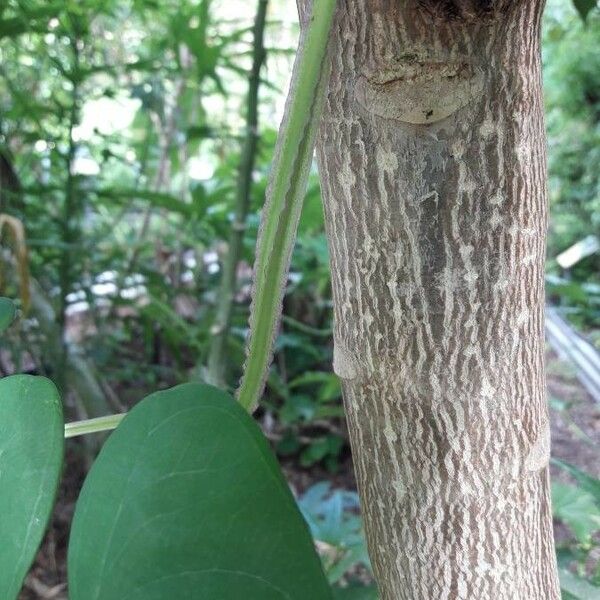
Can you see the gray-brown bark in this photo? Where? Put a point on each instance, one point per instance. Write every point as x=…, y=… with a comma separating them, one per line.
x=432, y=159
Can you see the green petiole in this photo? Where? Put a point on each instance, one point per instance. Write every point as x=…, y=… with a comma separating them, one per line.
x=97, y=425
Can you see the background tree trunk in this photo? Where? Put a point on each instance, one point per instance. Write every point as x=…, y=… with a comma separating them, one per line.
x=432, y=159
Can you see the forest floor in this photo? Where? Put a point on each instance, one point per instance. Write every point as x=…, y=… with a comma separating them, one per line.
x=575, y=419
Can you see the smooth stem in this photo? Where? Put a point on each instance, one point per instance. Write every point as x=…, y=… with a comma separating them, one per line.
x=285, y=194
x=97, y=425
x=217, y=360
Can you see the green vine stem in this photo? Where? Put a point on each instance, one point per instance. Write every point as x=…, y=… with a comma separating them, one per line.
x=285, y=194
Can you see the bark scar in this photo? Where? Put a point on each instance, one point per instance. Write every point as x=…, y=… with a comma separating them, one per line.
x=419, y=89
x=345, y=366
x=539, y=454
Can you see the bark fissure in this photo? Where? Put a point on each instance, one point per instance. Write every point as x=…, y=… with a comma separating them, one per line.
x=432, y=160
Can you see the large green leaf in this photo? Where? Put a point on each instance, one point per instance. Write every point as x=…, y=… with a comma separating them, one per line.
x=7, y=313
x=186, y=501
x=31, y=452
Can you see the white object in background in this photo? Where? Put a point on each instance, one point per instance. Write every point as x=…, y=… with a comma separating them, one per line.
x=583, y=248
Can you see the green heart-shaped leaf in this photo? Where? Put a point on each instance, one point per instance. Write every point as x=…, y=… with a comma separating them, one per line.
x=186, y=501
x=7, y=313
x=31, y=452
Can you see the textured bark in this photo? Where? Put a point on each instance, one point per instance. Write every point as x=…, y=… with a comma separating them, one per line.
x=432, y=160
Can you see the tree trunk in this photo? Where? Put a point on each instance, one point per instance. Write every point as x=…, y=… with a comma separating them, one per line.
x=432, y=160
